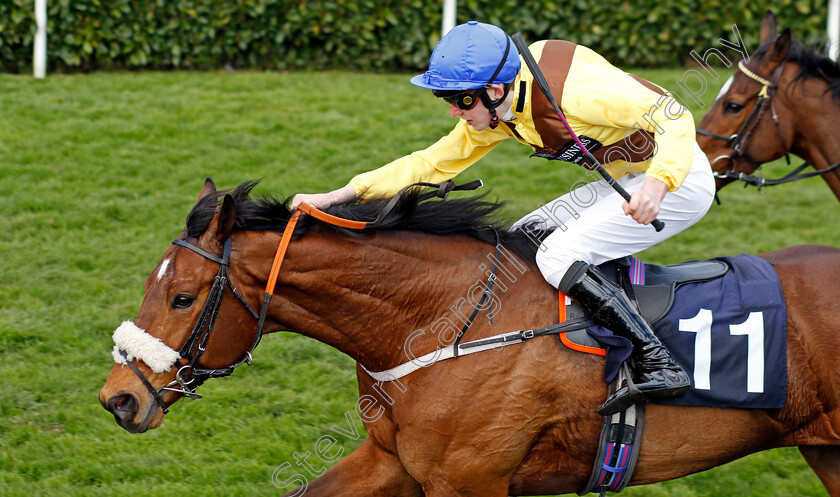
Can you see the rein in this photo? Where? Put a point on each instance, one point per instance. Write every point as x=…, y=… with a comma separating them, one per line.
x=190, y=375
x=739, y=140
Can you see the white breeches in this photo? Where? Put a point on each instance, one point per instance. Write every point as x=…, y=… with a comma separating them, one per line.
x=592, y=227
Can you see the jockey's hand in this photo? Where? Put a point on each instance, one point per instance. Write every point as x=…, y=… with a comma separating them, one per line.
x=323, y=200
x=644, y=203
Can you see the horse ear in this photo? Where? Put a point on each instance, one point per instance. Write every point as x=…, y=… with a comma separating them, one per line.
x=221, y=226
x=769, y=29
x=208, y=188
x=226, y=219
x=777, y=52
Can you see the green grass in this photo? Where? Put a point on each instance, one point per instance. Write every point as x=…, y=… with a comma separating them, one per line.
x=97, y=174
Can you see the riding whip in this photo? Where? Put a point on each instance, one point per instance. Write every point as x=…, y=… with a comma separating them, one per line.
x=543, y=84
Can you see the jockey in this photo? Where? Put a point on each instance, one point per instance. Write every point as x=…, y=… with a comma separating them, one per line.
x=641, y=134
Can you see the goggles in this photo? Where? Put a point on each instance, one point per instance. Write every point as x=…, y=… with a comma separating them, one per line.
x=464, y=100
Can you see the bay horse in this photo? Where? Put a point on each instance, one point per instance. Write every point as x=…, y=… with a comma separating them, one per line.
x=784, y=99
x=521, y=420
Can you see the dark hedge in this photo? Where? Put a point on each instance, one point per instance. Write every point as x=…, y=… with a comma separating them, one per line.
x=86, y=35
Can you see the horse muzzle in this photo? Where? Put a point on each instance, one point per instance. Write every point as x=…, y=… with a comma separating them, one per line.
x=125, y=407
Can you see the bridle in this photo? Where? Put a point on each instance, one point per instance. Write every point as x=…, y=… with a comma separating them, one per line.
x=739, y=140
x=191, y=375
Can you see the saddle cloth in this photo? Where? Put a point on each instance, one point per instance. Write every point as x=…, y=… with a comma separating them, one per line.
x=729, y=332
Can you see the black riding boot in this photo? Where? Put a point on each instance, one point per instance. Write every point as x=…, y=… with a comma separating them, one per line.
x=657, y=375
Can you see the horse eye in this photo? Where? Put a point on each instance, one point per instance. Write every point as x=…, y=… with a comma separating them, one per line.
x=732, y=107
x=182, y=301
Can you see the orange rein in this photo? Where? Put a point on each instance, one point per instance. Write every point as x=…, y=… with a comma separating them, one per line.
x=443, y=189
x=290, y=228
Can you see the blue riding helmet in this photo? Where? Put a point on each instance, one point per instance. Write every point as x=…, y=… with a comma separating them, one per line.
x=470, y=56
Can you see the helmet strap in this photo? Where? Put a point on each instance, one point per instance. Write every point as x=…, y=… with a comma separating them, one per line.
x=492, y=104
x=485, y=98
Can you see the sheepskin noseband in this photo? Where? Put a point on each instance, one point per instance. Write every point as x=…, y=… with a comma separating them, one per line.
x=138, y=344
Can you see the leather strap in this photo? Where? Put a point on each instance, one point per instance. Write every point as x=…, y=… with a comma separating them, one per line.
x=203, y=252
x=149, y=387
x=329, y=218
x=488, y=292
x=284, y=245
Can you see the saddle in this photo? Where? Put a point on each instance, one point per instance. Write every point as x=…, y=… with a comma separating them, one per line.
x=652, y=290
x=655, y=293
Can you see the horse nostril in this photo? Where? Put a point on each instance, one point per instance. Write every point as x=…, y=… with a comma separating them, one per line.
x=123, y=407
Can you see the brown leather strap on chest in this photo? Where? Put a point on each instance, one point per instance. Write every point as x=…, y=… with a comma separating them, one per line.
x=558, y=144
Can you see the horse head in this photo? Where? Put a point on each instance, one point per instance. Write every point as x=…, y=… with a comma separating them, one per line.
x=187, y=329
x=750, y=122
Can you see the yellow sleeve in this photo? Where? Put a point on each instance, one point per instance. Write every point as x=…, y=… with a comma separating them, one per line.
x=605, y=96
x=453, y=153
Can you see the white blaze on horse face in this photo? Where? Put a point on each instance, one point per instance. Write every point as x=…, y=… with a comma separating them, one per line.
x=725, y=87
x=138, y=344
x=163, y=267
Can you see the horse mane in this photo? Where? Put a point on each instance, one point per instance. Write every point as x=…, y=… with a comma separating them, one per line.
x=475, y=217
x=812, y=64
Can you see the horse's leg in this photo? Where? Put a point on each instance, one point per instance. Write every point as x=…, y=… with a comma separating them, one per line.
x=825, y=461
x=367, y=471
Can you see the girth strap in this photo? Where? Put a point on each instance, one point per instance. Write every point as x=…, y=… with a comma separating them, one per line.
x=618, y=447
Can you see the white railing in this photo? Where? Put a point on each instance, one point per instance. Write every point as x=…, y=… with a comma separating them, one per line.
x=449, y=9
x=833, y=28
x=39, y=57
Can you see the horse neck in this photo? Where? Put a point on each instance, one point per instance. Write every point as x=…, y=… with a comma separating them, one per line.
x=365, y=296
x=816, y=117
